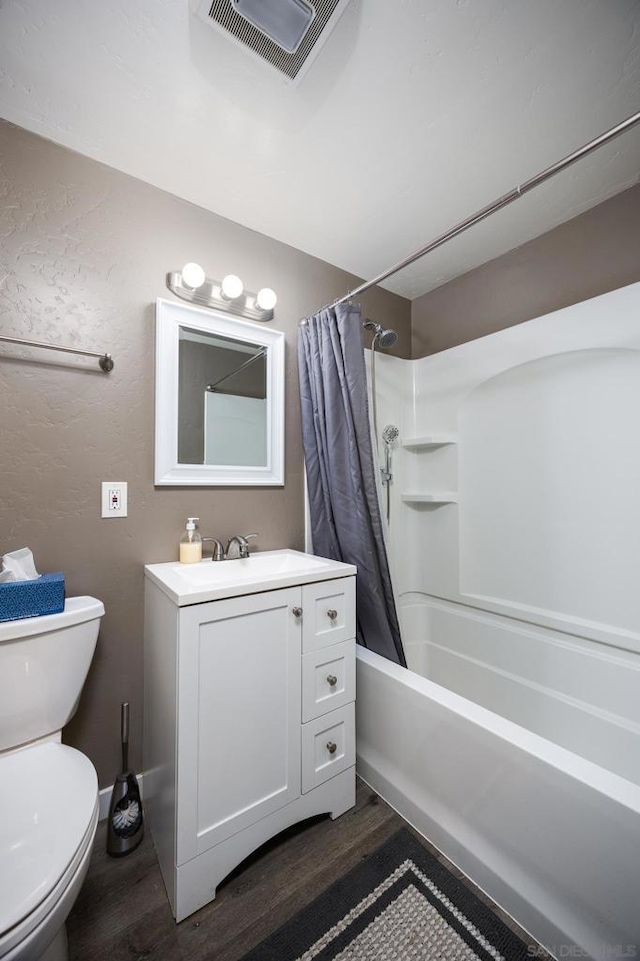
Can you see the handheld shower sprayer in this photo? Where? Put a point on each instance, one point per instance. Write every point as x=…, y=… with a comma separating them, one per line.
x=383, y=337
x=389, y=435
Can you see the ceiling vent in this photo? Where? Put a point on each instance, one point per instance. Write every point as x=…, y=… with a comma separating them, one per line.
x=287, y=34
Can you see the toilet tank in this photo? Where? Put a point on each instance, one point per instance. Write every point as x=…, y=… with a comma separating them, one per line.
x=43, y=665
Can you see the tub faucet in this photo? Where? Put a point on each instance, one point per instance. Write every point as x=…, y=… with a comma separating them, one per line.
x=243, y=547
x=217, y=553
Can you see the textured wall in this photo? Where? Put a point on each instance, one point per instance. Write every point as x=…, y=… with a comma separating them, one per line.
x=85, y=251
x=592, y=254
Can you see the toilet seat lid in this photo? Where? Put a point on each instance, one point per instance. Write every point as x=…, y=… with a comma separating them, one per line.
x=48, y=797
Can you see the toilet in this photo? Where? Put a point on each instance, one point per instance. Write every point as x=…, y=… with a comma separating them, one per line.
x=48, y=791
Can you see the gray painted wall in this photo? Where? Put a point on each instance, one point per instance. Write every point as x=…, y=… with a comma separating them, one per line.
x=85, y=251
x=594, y=253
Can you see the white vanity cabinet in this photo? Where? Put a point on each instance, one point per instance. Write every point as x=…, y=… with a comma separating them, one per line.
x=249, y=712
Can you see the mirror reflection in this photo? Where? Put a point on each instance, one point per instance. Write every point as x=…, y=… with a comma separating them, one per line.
x=222, y=400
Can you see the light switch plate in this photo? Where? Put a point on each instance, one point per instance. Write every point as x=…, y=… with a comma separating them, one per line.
x=114, y=498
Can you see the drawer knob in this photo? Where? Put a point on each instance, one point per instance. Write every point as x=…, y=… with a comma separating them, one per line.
x=332, y=614
x=297, y=611
x=332, y=747
x=332, y=680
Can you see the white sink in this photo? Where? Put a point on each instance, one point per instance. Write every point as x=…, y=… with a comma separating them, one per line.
x=213, y=580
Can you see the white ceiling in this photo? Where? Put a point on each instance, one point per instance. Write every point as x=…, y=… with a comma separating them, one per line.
x=415, y=114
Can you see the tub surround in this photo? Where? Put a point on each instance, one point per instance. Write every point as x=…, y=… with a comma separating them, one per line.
x=543, y=460
x=518, y=591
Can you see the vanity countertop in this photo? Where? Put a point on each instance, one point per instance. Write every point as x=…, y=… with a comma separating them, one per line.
x=264, y=571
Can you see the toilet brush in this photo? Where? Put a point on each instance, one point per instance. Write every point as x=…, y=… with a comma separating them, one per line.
x=124, y=827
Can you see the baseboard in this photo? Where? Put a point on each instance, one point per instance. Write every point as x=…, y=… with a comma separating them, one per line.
x=105, y=797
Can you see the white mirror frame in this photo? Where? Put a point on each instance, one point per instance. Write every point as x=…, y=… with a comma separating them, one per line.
x=170, y=317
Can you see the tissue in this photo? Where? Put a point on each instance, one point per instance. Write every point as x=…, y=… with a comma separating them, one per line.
x=18, y=566
x=24, y=592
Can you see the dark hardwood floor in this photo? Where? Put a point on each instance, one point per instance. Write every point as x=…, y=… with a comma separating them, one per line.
x=123, y=913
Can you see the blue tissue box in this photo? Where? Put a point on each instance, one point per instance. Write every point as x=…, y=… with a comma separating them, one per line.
x=45, y=595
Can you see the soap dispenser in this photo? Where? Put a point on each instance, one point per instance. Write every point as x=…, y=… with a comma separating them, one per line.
x=191, y=543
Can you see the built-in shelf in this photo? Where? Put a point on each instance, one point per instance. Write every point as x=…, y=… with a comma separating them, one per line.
x=429, y=440
x=432, y=497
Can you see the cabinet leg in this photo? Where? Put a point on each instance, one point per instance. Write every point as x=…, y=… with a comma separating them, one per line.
x=346, y=798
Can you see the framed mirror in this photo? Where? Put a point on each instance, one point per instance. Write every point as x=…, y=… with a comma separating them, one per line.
x=219, y=399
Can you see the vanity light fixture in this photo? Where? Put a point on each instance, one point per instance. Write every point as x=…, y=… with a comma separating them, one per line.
x=266, y=298
x=192, y=284
x=231, y=287
x=193, y=275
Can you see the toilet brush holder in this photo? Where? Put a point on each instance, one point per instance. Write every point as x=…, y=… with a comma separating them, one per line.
x=125, y=827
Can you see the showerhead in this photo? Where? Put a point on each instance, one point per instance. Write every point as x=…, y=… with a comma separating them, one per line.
x=390, y=433
x=383, y=336
x=387, y=337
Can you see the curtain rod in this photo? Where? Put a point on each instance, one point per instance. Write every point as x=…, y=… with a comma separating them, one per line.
x=104, y=360
x=260, y=353
x=498, y=204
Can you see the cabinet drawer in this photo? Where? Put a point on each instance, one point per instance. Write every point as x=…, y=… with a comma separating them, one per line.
x=328, y=613
x=328, y=679
x=328, y=746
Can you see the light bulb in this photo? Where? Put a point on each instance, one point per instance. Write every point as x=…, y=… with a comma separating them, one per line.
x=193, y=275
x=232, y=287
x=266, y=298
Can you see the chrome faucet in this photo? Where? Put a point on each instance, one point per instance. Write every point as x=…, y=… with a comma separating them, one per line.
x=218, y=550
x=243, y=547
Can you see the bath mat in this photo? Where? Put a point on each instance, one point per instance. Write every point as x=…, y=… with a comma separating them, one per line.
x=400, y=904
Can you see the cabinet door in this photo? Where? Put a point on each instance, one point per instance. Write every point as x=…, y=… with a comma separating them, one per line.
x=239, y=715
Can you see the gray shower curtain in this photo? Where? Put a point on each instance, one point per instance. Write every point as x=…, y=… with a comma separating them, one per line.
x=346, y=524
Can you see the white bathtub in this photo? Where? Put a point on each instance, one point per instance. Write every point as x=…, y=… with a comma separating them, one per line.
x=552, y=837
